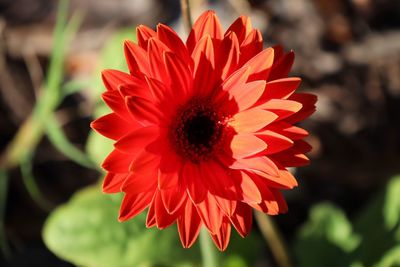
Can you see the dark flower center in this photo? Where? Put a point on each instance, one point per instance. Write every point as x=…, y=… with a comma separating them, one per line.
x=197, y=132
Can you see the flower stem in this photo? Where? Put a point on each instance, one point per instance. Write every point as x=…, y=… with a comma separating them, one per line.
x=207, y=249
x=187, y=18
x=274, y=239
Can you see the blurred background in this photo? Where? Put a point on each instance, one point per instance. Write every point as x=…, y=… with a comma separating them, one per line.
x=346, y=210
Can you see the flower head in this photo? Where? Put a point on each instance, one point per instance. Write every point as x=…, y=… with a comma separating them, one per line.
x=205, y=130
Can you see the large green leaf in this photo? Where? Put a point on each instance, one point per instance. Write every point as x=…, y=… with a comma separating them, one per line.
x=85, y=231
x=326, y=239
x=373, y=239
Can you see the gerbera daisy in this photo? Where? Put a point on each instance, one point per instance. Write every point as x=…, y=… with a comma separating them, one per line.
x=204, y=130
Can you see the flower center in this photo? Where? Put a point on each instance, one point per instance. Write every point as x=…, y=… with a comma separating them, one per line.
x=197, y=132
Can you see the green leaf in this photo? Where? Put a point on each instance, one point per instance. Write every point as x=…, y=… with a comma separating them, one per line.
x=390, y=259
x=326, y=239
x=391, y=209
x=85, y=231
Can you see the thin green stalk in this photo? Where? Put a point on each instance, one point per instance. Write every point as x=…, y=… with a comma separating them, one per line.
x=32, y=130
x=274, y=239
x=3, y=203
x=61, y=142
x=208, y=250
x=31, y=185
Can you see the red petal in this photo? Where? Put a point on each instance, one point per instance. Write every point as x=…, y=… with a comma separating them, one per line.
x=169, y=37
x=258, y=164
x=117, y=162
x=206, y=24
x=112, y=79
x=143, y=110
x=145, y=163
x=151, y=216
x=241, y=27
x=236, y=79
x=112, y=126
x=308, y=101
x=173, y=198
x=282, y=67
x=116, y=102
x=288, y=130
x=112, y=182
x=204, y=66
x=280, y=89
x=283, y=208
x=228, y=56
x=171, y=178
x=155, y=58
x=135, y=141
x=242, y=219
x=275, y=142
x=246, y=188
x=227, y=206
x=194, y=182
x=261, y=64
x=221, y=237
x=143, y=34
x=217, y=180
x=179, y=73
x=163, y=218
x=283, y=108
x=132, y=205
x=210, y=214
x=251, y=46
x=189, y=225
x=136, y=57
x=245, y=145
x=245, y=96
x=252, y=120
x=139, y=182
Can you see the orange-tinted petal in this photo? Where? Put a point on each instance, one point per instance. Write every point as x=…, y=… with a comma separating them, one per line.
x=275, y=142
x=281, y=89
x=210, y=213
x=261, y=64
x=245, y=145
x=204, y=66
x=241, y=27
x=251, y=46
x=207, y=24
x=242, y=219
x=189, y=225
x=221, y=237
x=252, y=120
x=135, y=141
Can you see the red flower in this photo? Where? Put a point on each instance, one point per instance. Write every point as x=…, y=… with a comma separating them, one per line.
x=204, y=130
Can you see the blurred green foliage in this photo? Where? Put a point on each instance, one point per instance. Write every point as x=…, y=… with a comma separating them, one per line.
x=85, y=231
x=328, y=238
